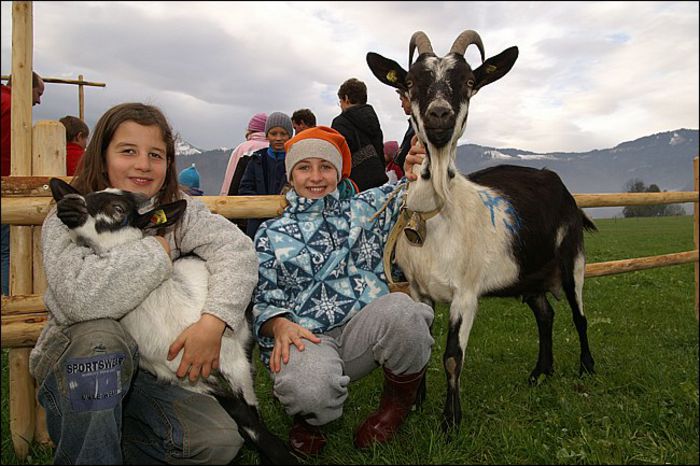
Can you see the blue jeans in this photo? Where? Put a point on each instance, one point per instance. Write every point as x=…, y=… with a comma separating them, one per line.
x=5, y=254
x=101, y=409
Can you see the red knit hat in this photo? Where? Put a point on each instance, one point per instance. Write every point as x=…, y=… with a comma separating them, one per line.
x=322, y=142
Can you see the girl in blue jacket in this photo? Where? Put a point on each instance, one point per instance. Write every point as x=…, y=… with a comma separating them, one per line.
x=323, y=313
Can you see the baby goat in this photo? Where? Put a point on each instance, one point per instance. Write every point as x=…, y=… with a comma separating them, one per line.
x=113, y=219
x=502, y=231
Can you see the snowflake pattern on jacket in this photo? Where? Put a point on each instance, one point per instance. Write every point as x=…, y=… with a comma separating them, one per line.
x=321, y=261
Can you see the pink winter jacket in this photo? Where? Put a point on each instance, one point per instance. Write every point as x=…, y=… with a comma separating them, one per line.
x=255, y=142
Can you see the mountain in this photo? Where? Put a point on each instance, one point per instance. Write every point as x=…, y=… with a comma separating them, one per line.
x=665, y=159
x=183, y=147
x=211, y=166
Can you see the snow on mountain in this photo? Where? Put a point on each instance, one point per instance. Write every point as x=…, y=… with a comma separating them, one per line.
x=494, y=154
x=183, y=147
x=676, y=139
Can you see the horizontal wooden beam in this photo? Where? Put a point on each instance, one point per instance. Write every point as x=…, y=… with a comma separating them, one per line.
x=28, y=186
x=600, y=269
x=23, y=317
x=33, y=210
x=625, y=199
x=63, y=81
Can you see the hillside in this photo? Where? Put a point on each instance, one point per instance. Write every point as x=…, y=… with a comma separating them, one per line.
x=665, y=159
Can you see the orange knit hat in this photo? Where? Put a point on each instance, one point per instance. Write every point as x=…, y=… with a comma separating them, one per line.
x=322, y=142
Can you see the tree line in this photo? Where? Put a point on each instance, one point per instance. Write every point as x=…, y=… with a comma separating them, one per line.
x=635, y=185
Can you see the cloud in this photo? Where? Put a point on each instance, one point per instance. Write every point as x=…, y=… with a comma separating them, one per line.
x=589, y=74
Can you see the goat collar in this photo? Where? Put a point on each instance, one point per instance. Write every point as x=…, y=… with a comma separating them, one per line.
x=423, y=215
x=413, y=222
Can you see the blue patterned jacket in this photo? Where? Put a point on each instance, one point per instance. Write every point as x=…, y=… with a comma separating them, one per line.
x=321, y=261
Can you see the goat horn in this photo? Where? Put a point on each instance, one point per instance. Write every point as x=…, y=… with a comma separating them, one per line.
x=464, y=40
x=421, y=41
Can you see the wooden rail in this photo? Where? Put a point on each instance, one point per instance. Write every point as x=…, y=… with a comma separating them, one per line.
x=79, y=82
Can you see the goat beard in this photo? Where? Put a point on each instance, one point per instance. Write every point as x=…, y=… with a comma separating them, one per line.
x=441, y=166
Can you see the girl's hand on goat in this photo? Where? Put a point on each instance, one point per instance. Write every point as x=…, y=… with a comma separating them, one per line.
x=286, y=333
x=202, y=344
x=414, y=157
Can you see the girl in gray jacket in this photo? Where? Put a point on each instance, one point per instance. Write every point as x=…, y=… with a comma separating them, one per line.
x=99, y=408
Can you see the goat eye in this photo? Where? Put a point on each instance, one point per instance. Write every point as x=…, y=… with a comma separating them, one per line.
x=470, y=82
x=409, y=83
x=119, y=209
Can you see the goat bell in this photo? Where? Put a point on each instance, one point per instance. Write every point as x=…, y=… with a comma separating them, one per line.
x=415, y=229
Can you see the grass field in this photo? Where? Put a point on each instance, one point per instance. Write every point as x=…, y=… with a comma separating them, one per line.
x=641, y=407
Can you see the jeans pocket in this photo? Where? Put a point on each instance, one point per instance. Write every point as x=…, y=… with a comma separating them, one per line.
x=55, y=344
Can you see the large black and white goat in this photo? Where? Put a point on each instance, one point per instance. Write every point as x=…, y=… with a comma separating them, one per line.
x=502, y=231
x=112, y=219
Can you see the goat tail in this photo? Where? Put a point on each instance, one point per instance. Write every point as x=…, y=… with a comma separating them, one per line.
x=587, y=223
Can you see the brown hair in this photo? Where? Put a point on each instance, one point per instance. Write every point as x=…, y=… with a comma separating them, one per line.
x=355, y=90
x=74, y=126
x=305, y=116
x=91, y=174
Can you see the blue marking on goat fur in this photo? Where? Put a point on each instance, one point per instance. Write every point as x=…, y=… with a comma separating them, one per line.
x=493, y=202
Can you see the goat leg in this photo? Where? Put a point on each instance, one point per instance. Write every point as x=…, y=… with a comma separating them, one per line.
x=452, y=361
x=544, y=315
x=251, y=428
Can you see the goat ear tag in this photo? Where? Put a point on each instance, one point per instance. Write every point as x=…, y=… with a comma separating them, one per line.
x=159, y=217
x=491, y=68
x=391, y=76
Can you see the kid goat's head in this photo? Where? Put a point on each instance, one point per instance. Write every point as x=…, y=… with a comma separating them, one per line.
x=104, y=219
x=440, y=88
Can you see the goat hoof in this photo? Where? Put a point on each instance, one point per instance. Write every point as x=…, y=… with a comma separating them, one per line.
x=449, y=428
x=586, y=369
x=537, y=376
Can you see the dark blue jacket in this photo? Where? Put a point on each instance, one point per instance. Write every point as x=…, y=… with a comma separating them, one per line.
x=264, y=175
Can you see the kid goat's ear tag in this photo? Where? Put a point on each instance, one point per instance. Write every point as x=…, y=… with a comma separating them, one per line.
x=159, y=217
x=391, y=76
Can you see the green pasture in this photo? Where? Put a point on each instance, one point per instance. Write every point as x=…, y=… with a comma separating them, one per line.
x=641, y=407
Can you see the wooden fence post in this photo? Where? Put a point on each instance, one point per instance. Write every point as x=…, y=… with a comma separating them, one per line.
x=81, y=98
x=48, y=159
x=22, y=391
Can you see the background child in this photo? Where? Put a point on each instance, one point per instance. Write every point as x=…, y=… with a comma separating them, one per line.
x=265, y=174
x=322, y=280
x=77, y=134
x=393, y=170
x=238, y=161
x=189, y=180
x=120, y=414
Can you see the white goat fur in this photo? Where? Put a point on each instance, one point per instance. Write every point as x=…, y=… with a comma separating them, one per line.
x=171, y=308
x=465, y=255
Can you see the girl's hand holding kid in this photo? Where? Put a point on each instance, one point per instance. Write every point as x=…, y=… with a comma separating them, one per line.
x=201, y=342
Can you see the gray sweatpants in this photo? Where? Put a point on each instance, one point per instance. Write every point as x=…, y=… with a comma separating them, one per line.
x=393, y=331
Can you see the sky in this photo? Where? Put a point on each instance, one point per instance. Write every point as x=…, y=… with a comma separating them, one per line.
x=589, y=75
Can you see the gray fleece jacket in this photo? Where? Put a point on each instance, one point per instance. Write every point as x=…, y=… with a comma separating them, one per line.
x=83, y=285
